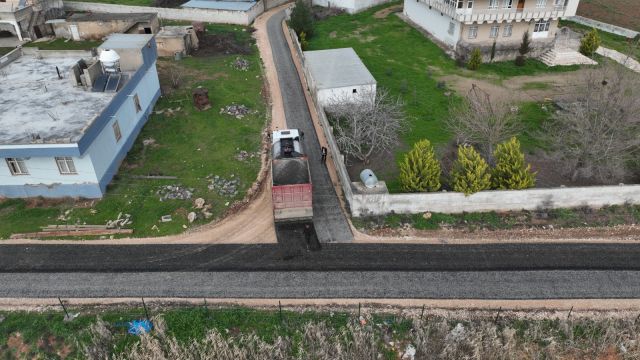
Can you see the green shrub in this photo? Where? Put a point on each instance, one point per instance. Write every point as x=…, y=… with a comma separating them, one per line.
x=470, y=172
x=511, y=172
x=493, y=50
x=420, y=170
x=304, y=44
x=521, y=60
x=475, y=60
x=302, y=19
x=590, y=43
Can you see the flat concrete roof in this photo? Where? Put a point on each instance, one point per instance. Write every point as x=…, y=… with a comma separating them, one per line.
x=126, y=41
x=173, y=31
x=34, y=102
x=220, y=5
x=336, y=68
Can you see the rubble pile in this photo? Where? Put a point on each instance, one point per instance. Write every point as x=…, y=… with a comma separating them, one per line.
x=239, y=111
x=241, y=64
x=224, y=187
x=174, y=192
x=199, y=204
x=244, y=155
x=121, y=221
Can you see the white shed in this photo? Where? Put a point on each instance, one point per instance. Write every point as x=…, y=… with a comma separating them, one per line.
x=337, y=73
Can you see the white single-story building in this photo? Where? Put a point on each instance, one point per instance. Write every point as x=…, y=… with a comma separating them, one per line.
x=336, y=74
x=67, y=121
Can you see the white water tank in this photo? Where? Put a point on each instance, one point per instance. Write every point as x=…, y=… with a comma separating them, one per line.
x=368, y=178
x=110, y=61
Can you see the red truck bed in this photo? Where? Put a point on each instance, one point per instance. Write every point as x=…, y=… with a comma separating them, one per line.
x=292, y=189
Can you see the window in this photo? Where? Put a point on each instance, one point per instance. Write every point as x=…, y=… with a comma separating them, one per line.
x=508, y=30
x=470, y=4
x=136, y=103
x=66, y=166
x=460, y=4
x=495, y=30
x=116, y=131
x=508, y=4
x=558, y=3
x=473, y=31
x=493, y=4
x=452, y=28
x=17, y=166
x=541, y=26
x=541, y=3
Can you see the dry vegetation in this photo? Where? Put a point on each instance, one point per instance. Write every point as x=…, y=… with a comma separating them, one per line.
x=418, y=337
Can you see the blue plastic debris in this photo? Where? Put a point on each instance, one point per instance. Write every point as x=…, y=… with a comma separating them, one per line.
x=140, y=327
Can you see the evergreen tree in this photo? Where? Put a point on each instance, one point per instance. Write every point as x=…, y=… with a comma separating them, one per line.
x=511, y=172
x=470, y=172
x=525, y=45
x=475, y=60
x=590, y=43
x=420, y=170
x=493, y=50
x=302, y=19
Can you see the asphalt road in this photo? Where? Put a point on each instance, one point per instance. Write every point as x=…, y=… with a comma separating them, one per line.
x=330, y=223
x=332, y=257
x=432, y=285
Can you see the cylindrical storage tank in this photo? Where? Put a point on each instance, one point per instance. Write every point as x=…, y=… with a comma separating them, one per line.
x=368, y=178
x=110, y=60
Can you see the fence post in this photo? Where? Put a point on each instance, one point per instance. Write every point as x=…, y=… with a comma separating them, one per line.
x=146, y=313
x=66, y=313
x=569, y=315
x=280, y=310
x=358, y=310
x=422, y=312
x=497, y=315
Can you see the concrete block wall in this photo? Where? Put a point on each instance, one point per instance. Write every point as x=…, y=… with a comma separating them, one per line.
x=205, y=15
x=9, y=57
x=604, y=26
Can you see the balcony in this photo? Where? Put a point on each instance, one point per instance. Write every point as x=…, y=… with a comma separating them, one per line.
x=500, y=14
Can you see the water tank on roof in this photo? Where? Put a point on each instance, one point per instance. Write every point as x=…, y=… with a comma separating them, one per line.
x=368, y=178
x=110, y=61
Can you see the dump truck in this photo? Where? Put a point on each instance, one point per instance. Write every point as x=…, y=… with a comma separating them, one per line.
x=291, y=188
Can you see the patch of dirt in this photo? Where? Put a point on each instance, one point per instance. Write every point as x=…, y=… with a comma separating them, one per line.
x=333, y=34
x=54, y=345
x=321, y=13
x=16, y=344
x=623, y=13
x=381, y=14
x=221, y=44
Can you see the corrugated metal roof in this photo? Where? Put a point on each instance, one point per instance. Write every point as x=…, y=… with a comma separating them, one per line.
x=219, y=5
x=337, y=68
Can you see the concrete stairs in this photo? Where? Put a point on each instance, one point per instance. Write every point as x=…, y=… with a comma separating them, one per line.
x=565, y=57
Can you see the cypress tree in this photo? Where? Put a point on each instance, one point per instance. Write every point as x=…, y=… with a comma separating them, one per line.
x=511, y=172
x=470, y=172
x=302, y=19
x=420, y=170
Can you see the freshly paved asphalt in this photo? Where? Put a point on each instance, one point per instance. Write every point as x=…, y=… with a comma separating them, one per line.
x=330, y=223
x=332, y=257
x=432, y=285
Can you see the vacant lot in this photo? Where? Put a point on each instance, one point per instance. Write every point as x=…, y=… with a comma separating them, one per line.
x=411, y=66
x=320, y=333
x=178, y=141
x=625, y=13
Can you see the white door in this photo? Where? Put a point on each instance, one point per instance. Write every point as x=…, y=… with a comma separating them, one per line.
x=74, y=32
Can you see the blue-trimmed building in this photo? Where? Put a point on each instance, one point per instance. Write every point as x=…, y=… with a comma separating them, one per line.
x=66, y=123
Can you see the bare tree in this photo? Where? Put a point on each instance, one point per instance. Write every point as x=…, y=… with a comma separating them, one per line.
x=367, y=123
x=597, y=135
x=482, y=123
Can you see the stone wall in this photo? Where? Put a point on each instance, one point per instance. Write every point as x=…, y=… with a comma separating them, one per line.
x=205, y=15
x=604, y=26
x=9, y=57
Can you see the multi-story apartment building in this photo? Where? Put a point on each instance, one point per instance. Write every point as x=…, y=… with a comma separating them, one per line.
x=467, y=24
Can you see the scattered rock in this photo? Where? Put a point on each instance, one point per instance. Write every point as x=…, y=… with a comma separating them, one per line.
x=244, y=155
x=149, y=142
x=426, y=215
x=192, y=216
x=65, y=216
x=241, y=64
x=1, y=318
x=224, y=187
x=207, y=215
x=515, y=109
x=121, y=221
x=184, y=226
x=198, y=203
x=166, y=218
x=409, y=352
x=155, y=227
x=237, y=110
x=174, y=192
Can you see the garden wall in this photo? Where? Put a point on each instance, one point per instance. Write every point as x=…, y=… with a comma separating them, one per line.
x=9, y=57
x=205, y=15
x=604, y=26
x=362, y=204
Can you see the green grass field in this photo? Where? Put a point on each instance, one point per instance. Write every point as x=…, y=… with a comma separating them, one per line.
x=409, y=65
x=189, y=144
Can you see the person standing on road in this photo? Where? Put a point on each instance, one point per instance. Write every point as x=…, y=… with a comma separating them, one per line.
x=301, y=135
x=324, y=154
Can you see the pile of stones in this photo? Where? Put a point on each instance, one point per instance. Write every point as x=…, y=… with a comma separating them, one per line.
x=239, y=111
x=241, y=64
x=244, y=155
x=224, y=187
x=174, y=192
